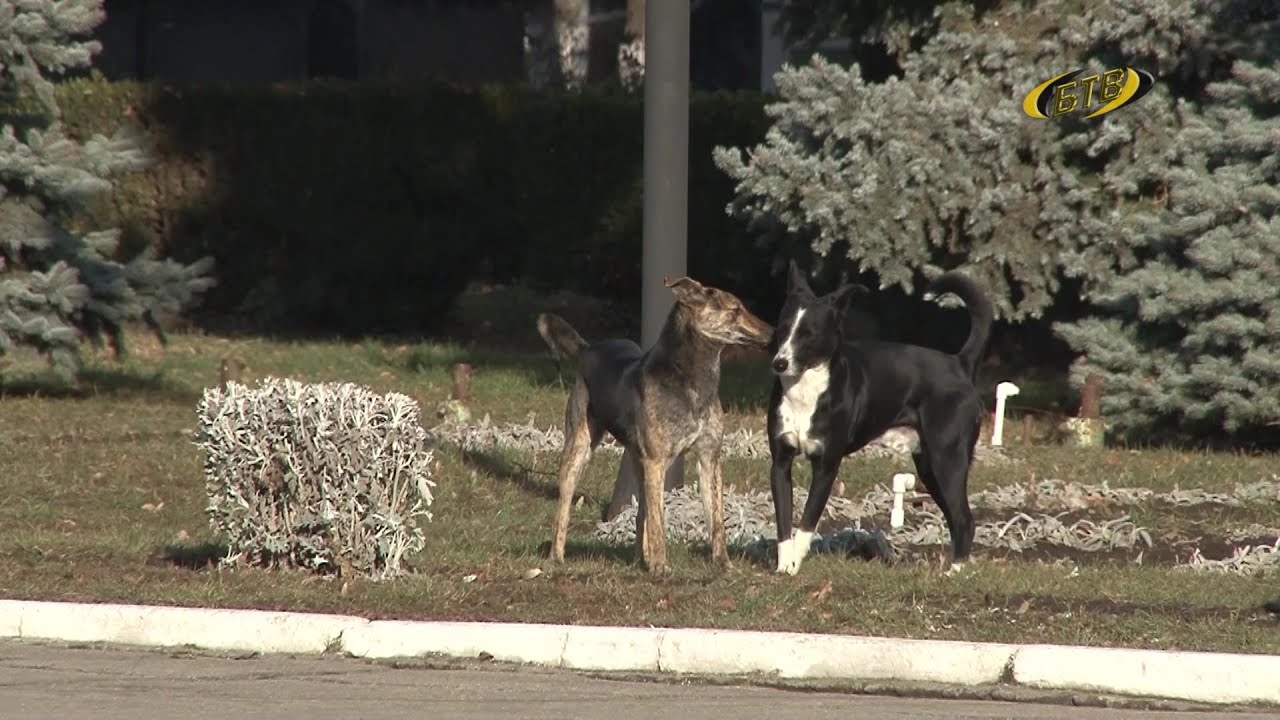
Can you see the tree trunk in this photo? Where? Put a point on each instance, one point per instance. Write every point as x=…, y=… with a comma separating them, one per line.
x=573, y=31
x=1087, y=428
x=556, y=42
x=541, y=46
x=631, y=51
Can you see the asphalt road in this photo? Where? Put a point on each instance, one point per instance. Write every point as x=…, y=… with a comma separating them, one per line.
x=68, y=683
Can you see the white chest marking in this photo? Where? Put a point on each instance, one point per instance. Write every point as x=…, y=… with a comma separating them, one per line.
x=795, y=413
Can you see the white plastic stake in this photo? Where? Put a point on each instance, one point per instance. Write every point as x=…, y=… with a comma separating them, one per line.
x=901, y=482
x=1003, y=390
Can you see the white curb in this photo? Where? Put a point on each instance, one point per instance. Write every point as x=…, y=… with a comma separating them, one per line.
x=506, y=642
x=1199, y=677
x=797, y=655
x=11, y=618
x=236, y=630
x=608, y=648
x=1196, y=676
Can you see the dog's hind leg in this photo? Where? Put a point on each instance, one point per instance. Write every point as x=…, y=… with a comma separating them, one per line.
x=924, y=470
x=943, y=464
x=579, y=439
x=626, y=489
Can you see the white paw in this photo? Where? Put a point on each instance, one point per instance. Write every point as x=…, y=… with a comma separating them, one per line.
x=804, y=540
x=787, y=562
x=791, y=552
x=956, y=568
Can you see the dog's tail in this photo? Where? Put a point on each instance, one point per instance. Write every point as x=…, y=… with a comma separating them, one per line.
x=981, y=315
x=564, y=341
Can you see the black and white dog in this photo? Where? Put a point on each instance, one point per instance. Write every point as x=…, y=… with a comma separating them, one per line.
x=832, y=396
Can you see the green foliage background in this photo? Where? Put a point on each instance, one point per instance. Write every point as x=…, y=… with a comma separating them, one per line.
x=1161, y=216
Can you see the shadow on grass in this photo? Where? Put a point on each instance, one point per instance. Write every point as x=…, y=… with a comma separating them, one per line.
x=522, y=477
x=99, y=382
x=201, y=556
x=594, y=550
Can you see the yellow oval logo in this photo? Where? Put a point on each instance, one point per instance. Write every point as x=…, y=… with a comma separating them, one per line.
x=1095, y=95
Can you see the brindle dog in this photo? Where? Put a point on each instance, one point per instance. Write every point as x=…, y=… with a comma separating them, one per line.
x=657, y=405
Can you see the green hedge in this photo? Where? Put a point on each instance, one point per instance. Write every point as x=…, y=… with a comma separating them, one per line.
x=368, y=207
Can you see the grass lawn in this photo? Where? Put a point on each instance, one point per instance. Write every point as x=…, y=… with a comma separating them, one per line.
x=104, y=500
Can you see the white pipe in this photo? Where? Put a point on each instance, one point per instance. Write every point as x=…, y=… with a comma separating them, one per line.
x=901, y=482
x=1003, y=391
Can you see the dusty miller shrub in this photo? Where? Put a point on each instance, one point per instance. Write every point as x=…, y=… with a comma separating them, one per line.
x=315, y=476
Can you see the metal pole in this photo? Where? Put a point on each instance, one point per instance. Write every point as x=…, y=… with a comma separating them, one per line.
x=666, y=167
x=666, y=185
x=666, y=158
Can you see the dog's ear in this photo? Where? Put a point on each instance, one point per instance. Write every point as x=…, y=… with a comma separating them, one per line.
x=687, y=290
x=795, y=277
x=841, y=297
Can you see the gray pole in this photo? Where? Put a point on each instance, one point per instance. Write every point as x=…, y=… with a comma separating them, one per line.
x=666, y=158
x=666, y=185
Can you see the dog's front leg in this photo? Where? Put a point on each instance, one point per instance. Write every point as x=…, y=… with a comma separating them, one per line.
x=711, y=483
x=780, y=485
x=651, y=525
x=825, y=469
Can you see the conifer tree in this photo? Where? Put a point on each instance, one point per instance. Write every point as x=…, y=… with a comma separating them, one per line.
x=1188, y=338
x=935, y=166
x=938, y=166
x=59, y=282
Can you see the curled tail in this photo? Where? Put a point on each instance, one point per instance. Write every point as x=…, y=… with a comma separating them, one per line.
x=981, y=315
x=564, y=341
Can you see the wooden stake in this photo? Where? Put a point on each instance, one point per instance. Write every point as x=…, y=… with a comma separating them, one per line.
x=461, y=382
x=1091, y=397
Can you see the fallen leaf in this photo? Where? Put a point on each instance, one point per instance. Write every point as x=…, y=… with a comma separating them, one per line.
x=821, y=593
x=1022, y=609
x=153, y=507
x=531, y=573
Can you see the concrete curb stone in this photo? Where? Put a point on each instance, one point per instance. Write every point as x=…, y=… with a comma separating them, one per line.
x=610, y=648
x=1197, y=676
x=1193, y=676
x=505, y=642
x=798, y=655
x=162, y=626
